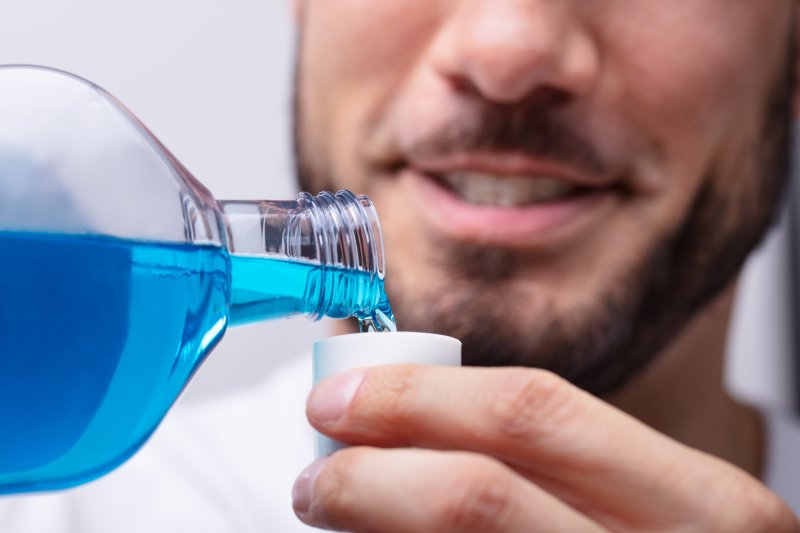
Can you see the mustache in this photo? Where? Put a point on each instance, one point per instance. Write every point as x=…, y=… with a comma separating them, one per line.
x=536, y=132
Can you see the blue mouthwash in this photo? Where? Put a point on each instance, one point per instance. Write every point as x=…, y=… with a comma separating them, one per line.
x=100, y=335
x=119, y=272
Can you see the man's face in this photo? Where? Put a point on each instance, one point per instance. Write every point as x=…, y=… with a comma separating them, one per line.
x=561, y=183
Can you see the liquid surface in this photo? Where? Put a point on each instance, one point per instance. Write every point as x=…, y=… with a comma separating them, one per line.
x=100, y=335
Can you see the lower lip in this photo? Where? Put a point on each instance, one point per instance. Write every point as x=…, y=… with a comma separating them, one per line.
x=524, y=226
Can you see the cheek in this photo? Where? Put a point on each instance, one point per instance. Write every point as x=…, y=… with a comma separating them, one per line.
x=355, y=56
x=696, y=89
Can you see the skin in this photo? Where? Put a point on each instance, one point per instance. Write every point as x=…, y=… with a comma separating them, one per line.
x=518, y=449
x=588, y=107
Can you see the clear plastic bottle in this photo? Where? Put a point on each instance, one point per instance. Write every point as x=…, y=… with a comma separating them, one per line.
x=119, y=272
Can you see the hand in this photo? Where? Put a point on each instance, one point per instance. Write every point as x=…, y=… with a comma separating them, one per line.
x=494, y=450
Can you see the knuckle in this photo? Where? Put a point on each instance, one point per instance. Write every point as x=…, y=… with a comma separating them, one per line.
x=391, y=395
x=768, y=513
x=755, y=508
x=476, y=498
x=333, y=499
x=529, y=403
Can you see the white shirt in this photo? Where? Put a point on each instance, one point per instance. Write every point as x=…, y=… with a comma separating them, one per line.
x=229, y=465
x=782, y=468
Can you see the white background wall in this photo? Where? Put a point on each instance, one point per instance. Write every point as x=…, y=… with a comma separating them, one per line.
x=211, y=79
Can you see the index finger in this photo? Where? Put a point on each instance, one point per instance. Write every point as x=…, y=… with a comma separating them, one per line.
x=587, y=452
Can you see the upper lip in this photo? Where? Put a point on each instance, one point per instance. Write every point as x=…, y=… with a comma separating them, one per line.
x=509, y=164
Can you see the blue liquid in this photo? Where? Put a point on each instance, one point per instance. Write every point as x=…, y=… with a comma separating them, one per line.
x=264, y=289
x=98, y=336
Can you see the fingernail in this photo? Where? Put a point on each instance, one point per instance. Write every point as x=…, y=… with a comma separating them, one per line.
x=331, y=397
x=303, y=488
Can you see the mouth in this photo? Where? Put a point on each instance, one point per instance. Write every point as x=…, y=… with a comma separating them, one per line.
x=483, y=189
x=510, y=201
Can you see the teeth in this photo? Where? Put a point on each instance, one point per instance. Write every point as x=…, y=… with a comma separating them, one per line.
x=507, y=191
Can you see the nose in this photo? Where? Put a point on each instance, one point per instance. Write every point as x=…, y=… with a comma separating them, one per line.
x=508, y=49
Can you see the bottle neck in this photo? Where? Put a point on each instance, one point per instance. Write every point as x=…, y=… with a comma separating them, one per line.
x=338, y=232
x=332, y=230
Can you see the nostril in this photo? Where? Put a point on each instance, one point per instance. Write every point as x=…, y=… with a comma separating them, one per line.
x=464, y=85
x=540, y=97
x=546, y=98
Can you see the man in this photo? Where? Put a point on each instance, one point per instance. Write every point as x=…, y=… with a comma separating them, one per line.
x=566, y=185
x=570, y=188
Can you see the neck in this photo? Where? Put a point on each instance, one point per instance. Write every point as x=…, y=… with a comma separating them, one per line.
x=682, y=393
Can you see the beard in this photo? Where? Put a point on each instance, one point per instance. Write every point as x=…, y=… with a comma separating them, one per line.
x=602, y=345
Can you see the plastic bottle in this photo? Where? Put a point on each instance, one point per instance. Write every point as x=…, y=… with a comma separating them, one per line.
x=119, y=272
